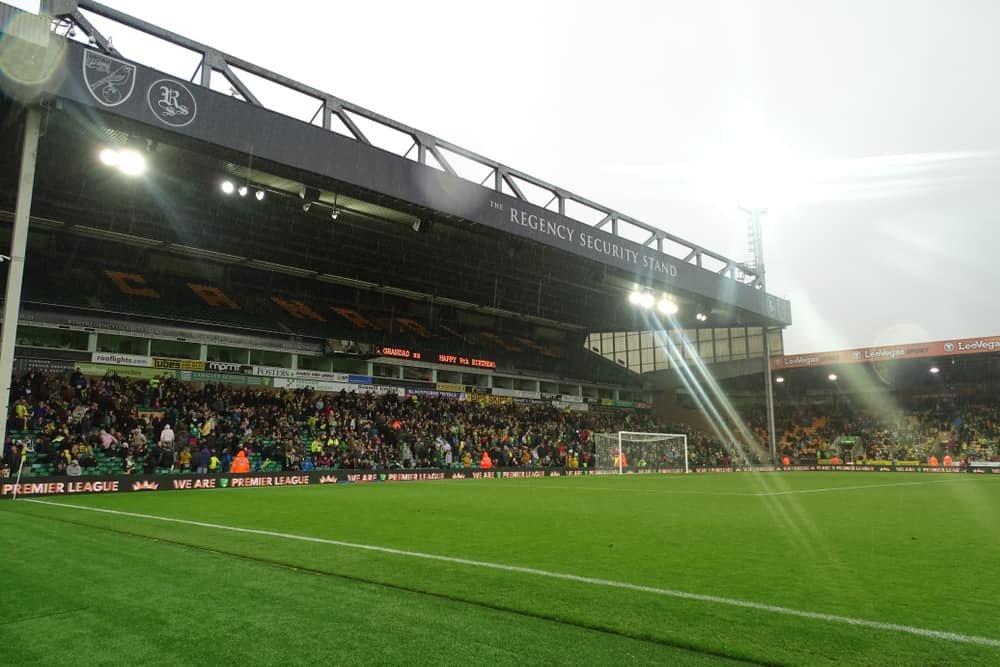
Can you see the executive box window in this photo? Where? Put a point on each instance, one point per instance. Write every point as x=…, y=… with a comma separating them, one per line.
x=385, y=371
x=56, y=339
x=269, y=358
x=317, y=363
x=122, y=344
x=230, y=355
x=174, y=349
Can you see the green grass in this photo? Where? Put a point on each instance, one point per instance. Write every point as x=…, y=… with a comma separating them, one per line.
x=921, y=551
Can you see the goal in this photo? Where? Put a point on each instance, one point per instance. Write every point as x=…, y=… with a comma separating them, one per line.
x=629, y=450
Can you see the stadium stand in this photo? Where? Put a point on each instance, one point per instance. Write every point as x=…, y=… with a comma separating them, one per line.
x=113, y=425
x=915, y=432
x=209, y=294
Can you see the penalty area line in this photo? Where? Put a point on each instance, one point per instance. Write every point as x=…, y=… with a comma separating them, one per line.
x=607, y=583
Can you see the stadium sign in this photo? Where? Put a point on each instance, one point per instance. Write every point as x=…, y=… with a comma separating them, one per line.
x=517, y=393
x=318, y=385
x=441, y=358
x=137, y=372
x=437, y=393
x=566, y=405
x=233, y=124
x=941, y=348
x=178, y=364
x=593, y=243
x=225, y=378
x=303, y=374
x=117, y=359
x=58, y=486
x=336, y=387
x=22, y=364
x=272, y=371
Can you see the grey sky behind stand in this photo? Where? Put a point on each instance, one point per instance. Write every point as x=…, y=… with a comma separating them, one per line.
x=866, y=129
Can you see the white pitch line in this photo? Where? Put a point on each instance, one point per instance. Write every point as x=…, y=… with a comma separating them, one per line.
x=849, y=488
x=668, y=492
x=609, y=583
x=750, y=494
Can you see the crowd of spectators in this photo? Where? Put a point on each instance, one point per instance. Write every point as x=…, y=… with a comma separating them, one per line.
x=156, y=425
x=912, y=430
x=77, y=423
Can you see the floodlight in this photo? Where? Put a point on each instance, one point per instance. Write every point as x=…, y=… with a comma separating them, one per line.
x=701, y=317
x=335, y=213
x=243, y=191
x=416, y=225
x=259, y=195
x=306, y=207
x=779, y=379
x=131, y=163
x=635, y=297
x=227, y=187
x=832, y=377
x=935, y=370
x=646, y=300
x=109, y=156
x=667, y=306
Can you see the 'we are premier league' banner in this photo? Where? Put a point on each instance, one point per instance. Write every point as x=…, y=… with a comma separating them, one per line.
x=60, y=486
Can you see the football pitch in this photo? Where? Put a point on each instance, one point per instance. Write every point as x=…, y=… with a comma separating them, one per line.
x=772, y=568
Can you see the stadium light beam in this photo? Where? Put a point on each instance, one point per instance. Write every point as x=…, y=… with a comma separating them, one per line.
x=128, y=161
x=131, y=163
x=667, y=306
x=109, y=157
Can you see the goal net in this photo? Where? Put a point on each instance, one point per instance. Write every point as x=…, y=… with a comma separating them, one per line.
x=627, y=450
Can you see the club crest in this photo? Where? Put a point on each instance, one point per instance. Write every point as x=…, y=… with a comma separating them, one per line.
x=109, y=80
x=171, y=102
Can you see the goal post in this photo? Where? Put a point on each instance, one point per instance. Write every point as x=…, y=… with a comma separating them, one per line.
x=635, y=450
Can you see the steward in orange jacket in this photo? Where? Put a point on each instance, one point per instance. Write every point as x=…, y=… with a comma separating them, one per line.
x=486, y=461
x=241, y=463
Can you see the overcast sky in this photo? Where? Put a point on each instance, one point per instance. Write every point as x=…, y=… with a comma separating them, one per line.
x=867, y=129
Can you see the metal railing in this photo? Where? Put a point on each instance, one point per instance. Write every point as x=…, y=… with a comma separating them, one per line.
x=336, y=114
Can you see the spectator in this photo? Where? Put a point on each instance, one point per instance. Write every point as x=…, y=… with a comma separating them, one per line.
x=204, y=460
x=13, y=458
x=107, y=440
x=241, y=464
x=167, y=437
x=184, y=460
